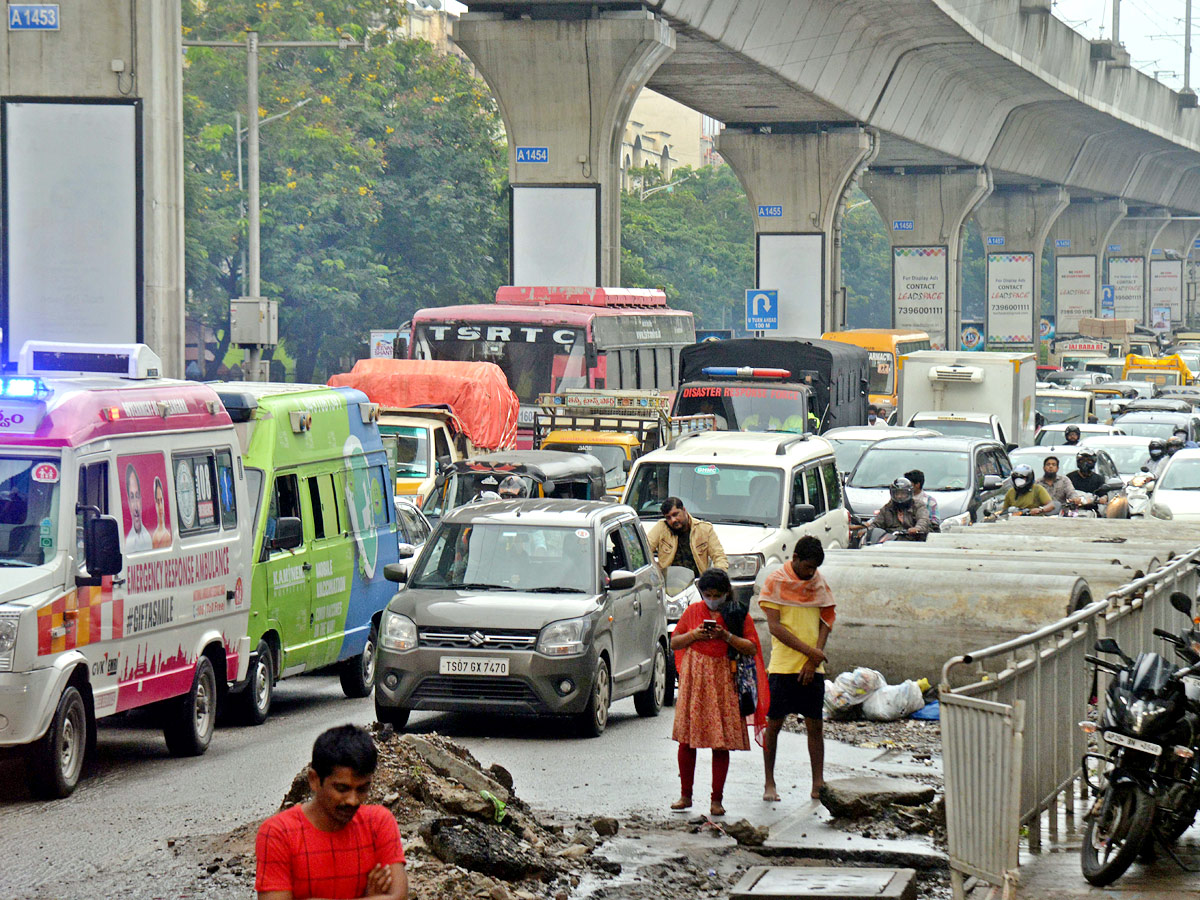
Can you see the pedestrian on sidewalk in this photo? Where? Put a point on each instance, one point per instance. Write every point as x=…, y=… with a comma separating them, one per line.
x=710, y=638
x=799, y=609
x=333, y=845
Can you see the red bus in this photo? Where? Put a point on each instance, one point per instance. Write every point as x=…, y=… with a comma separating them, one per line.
x=550, y=338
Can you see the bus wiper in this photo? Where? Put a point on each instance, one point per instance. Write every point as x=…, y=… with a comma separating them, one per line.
x=479, y=586
x=555, y=590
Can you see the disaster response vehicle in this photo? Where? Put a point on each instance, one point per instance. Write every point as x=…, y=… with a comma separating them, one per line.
x=124, y=577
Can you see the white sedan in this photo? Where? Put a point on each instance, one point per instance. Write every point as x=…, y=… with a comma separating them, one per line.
x=1178, y=490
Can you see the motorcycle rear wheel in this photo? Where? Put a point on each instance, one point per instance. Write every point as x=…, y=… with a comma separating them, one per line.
x=1113, y=837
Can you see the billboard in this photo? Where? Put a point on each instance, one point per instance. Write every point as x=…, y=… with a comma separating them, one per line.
x=1166, y=287
x=1127, y=275
x=72, y=221
x=555, y=235
x=793, y=265
x=1074, y=291
x=920, y=277
x=1009, y=311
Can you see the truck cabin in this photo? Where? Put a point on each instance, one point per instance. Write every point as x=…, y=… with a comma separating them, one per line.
x=543, y=473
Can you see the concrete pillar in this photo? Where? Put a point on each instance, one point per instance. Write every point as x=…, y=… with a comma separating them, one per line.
x=924, y=213
x=795, y=184
x=1078, y=238
x=76, y=61
x=565, y=88
x=1014, y=222
x=1127, y=260
x=1168, y=267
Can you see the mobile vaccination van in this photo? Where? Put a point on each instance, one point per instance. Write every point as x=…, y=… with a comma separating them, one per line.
x=124, y=579
x=324, y=528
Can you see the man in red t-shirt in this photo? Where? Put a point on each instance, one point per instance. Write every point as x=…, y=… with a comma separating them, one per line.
x=331, y=846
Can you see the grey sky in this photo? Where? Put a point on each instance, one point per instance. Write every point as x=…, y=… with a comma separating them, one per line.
x=1151, y=30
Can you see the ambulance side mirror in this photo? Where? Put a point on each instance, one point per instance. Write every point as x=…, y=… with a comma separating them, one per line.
x=101, y=549
x=288, y=533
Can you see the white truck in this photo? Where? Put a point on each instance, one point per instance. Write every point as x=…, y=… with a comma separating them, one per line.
x=984, y=394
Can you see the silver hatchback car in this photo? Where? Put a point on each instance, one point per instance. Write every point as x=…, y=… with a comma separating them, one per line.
x=549, y=607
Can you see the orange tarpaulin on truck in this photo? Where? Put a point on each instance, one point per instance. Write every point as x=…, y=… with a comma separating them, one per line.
x=478, y=393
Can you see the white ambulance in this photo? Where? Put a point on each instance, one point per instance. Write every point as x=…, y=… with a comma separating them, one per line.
x=124, y=530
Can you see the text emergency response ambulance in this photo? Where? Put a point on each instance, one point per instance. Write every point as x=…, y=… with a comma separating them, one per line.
x=123, y=541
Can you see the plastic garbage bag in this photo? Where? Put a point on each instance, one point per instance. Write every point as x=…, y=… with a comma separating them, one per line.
x=930, y=712
x=894, y=702
x=851, y=688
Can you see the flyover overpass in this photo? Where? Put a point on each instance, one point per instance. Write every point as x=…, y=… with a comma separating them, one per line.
x=943, y=109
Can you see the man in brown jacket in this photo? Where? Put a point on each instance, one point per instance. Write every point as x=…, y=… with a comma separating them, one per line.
x=680, y=540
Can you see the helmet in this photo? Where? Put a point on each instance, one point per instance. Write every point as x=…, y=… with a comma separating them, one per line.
x=513, y=488
x=1022, y=478
x=1157, y=448
x=1072, y=430
x=1085, y=461
x=902, y=492
x=1174, y=444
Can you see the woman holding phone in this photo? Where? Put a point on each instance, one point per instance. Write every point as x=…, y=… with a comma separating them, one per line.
x=709, y=639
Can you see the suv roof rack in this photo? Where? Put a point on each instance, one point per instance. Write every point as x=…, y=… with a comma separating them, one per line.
x=781, y=448
x=687, y=435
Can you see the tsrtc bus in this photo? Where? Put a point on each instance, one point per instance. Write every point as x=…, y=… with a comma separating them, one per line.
x=547, y=339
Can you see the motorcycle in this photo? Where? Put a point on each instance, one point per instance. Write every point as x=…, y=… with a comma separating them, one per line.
x=1138, y=495
x=1148, y=783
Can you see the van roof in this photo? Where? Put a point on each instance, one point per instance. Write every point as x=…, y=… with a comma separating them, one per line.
x=773, y=447
x=70, y=412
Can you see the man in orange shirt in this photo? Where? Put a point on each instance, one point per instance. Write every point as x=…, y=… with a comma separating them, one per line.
x=332, y=846
x=800, y=613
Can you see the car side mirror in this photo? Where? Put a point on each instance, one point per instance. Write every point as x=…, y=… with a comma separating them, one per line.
x=439, y=480
x=406, y=551
x=288, y=533
x=101, y=549
x=396, y=572
x=621, y=580
x=444, y=461
x=992, y=482
x=802, y=514
x=1010, y=447
x=1182, y=602
x=1108, y=645
x=626, y=465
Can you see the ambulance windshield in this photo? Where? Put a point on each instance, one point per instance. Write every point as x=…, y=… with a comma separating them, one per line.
x=28, y=510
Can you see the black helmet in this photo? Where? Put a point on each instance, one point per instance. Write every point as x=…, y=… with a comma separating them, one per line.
x=513, y=488
x=1072, y=430
x=902, y=492
x=1157, y=448
x=1022, y=478
x=1174, y=444
x=1085, y=461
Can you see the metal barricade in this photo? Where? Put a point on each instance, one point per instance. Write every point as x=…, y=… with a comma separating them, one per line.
x=1011, y=745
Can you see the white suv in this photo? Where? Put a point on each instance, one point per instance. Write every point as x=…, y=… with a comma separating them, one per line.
x=761, y=491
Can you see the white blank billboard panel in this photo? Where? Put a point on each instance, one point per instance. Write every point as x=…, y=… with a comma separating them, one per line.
x=793, y=265
x=555, y=236
x=72, y=222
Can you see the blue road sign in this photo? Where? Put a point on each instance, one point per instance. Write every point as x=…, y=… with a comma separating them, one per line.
x=1114, y=248
x=33, y=17
x=995, y=240
x=533, y=154
x=1196, y=244
x=770, y=212
x=1108, y=296
x=1062, y=242
x=762, y=310
x=903, y=225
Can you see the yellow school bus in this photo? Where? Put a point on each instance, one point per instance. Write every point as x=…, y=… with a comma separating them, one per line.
x=1157, y=370
x=884, y=346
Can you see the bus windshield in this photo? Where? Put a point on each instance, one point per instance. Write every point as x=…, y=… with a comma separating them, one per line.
x=882, y=366
x=535, y=358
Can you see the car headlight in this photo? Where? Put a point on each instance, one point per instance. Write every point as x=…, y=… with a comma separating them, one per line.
x=1161, y=510
x=397, y=632
x=745, y=565
x=960, y=519
x=566, y=637
x=8, y=641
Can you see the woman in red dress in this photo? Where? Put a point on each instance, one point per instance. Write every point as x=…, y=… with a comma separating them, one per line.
x=708, y=640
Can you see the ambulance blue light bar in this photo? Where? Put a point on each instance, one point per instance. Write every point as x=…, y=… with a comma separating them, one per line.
x=23, y=388
x=744, y=372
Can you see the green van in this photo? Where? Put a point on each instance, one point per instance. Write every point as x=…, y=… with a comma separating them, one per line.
x=324, y=528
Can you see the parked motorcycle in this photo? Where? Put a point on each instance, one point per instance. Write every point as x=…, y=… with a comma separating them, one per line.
x=1148, y=788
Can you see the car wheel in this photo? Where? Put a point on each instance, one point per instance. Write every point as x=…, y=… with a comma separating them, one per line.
x=358, y=672
x=192, y=718
x=594, y=719
x=56, y=760
x=254, y=702
x=396, y=716
x=650, y=701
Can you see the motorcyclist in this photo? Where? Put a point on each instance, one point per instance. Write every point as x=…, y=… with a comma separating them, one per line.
x=1085, y=479
x=1188, y=443
x=1057, y=485
x=1071, y=436
x=1174, y=445
x=1026, y=497
x=1158, y=452
x=902, y=513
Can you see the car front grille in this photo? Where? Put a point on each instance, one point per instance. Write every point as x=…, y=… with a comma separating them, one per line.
x=465, y=687
x=477, y=639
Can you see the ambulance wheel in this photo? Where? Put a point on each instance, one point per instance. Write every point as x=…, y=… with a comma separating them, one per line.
x=56, y=761
x=358, y=672
x=192, y=718
x=254, y=702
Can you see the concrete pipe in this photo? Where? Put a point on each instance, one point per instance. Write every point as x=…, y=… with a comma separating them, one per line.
x=1103, y=574
x=1132, y=529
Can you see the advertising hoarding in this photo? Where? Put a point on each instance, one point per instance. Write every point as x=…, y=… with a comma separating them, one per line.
x=1166, y=286
x=919, y=291
x=1074, y=291
x=1127, y=275
x=1009, y=311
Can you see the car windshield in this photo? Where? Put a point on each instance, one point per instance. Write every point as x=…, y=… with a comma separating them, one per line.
x=611, y=456
x=484, y=556
x=715, y=493
x=1181, y=475
x=29, y=510
x=411, y=450
x=1158, y=429
x=847, y=451
x=747, y=407
x=955, y=428
x=1128, y=458
x=1159, y=377
x=945, y=470
x=1062, y=409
